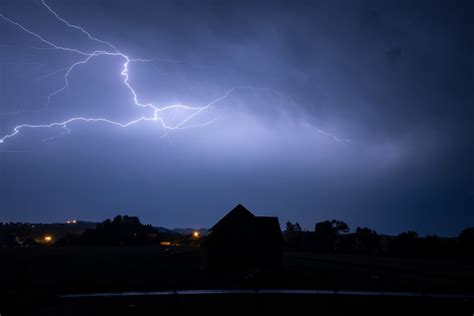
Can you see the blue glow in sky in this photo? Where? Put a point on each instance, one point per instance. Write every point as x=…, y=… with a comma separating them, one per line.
x=177, y=111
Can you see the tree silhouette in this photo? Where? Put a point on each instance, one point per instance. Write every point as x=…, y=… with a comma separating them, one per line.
x=405, y=244
x=327, y=233
x=293, y=235
x=466, y=242
x=367, y=240
x=122, y=230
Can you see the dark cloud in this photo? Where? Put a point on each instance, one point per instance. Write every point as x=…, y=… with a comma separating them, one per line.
x=394, y=77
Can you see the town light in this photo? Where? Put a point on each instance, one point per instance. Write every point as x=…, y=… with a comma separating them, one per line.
x=48, y=238
x=196, y=234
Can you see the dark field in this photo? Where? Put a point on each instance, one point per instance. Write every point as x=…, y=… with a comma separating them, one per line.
x=32, y=278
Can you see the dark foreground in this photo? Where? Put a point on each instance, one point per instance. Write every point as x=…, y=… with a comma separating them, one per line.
x=40, y=281
x=261, y=303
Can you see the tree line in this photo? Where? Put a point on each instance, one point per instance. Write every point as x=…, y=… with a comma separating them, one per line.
x=334, y=236
x=330, y=236
x=121, y=230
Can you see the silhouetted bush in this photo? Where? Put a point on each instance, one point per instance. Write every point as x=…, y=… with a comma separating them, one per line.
x=431, y=246
x=405, y=244
x=69, y=240
x=327, y=235
x=367, y=241
x=13, y=234
x=466, y=242
x=293, y=235
x=122, y=230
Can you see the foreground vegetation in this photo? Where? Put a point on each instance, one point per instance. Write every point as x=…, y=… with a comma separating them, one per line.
x=123, y=254
x=35, y=276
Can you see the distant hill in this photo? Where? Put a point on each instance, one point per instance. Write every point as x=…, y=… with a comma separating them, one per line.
x=164, y=230
x=187, y=231
x=181, y=231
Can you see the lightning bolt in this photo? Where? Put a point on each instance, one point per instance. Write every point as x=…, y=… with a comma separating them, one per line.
x=109, y=50
x=334, y=137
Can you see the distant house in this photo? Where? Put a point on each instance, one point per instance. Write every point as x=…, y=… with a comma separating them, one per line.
x=241, y=241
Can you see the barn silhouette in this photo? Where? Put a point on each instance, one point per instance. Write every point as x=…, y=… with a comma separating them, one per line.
x=242, y=241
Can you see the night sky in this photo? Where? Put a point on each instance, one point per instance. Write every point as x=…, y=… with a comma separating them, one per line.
x=361, y=111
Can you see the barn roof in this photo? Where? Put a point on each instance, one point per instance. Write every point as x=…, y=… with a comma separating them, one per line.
x=262, y=228
x=238, y=213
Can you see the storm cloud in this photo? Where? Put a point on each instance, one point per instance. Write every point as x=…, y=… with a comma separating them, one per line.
x=360, y=111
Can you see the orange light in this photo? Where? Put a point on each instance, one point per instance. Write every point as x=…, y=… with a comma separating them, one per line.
x=48, y=238
x=196, y=234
